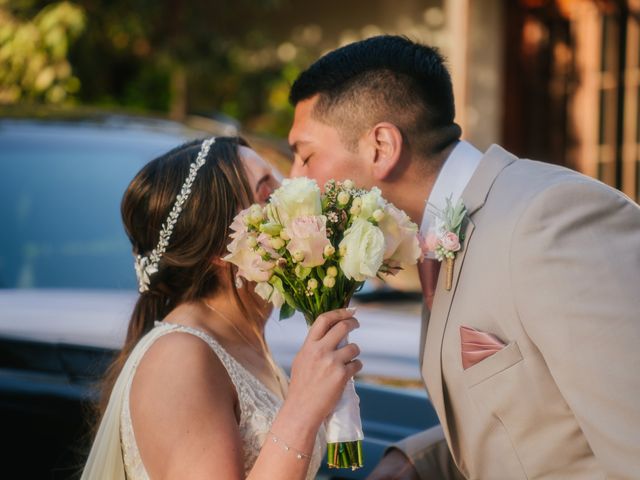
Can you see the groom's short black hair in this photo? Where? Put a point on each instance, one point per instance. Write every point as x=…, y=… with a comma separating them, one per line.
x=383, y=78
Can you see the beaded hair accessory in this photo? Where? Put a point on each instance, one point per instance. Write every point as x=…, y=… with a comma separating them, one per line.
x=146, y=266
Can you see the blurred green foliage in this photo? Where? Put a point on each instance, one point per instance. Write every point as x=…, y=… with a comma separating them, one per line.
x=33, y=51
x=174, y=56
x=221, y=58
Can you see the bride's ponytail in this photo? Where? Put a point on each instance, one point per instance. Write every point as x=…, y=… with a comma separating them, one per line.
x=150, y=306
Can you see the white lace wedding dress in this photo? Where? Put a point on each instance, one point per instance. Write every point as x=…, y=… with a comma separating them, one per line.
x=258, y=408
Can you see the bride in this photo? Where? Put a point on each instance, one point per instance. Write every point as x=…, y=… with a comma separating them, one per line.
x=195, y=392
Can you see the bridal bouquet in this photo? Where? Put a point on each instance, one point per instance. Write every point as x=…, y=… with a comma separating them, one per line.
x=311, y=251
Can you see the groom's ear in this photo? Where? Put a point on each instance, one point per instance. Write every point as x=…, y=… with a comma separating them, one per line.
x=387, y=143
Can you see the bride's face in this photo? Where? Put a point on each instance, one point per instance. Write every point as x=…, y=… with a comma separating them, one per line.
x=262, y=177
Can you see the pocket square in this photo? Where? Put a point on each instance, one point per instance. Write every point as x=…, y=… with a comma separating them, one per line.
x=477, y=345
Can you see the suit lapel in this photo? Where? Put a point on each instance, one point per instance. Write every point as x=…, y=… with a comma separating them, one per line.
x=474, y=197
x=436, y=327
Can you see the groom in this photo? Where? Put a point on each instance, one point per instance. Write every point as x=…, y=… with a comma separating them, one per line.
x=531, y=357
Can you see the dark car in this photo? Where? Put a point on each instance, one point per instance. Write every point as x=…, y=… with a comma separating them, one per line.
x=67, y=287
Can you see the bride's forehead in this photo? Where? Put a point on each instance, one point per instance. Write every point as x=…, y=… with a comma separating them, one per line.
x=249, y=156
x=252, y=161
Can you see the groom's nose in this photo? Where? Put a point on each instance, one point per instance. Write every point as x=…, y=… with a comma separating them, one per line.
x=296, y=170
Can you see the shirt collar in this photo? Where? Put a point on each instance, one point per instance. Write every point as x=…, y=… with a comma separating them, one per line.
x=453, y=178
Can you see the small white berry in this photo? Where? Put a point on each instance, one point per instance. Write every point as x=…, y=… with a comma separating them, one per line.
x=343, y=198
x=277, y=243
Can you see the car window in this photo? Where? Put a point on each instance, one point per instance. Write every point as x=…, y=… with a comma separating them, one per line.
x=60, y=190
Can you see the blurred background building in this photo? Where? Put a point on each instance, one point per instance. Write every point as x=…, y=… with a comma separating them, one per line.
x=556, y=80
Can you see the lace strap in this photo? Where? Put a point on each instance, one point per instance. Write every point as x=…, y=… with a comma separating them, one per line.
x=232, y=366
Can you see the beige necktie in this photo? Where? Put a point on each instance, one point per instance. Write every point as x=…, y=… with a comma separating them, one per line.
x=428, y=271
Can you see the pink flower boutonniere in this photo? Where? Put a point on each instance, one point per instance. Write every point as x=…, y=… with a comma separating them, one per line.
x=446, y=241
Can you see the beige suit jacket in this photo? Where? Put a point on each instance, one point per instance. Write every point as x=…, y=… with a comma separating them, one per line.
x=551, y=266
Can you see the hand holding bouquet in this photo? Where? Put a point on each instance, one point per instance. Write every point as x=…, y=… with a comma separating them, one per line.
x=311, y=252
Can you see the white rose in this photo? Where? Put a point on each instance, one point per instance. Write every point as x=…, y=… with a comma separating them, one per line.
x=295, y=198
x=362, y=250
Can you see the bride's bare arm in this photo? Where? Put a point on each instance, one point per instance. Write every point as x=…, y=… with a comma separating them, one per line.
x=185, y=416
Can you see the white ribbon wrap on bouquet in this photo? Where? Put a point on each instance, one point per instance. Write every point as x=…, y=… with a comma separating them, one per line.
x=344, y=423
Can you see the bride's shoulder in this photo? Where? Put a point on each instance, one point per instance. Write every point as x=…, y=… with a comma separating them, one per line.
x=179, y=362
x=182, y=388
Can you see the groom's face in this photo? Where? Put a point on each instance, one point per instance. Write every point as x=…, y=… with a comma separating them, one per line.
x=320, y=153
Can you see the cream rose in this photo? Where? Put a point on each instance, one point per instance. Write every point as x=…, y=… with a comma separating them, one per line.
x=270, y=294
x=394, y=225
x=400, y=236
x=370, y=202
x=362, y=250
x=408, y=252
x=295, y=198
x=308, y=236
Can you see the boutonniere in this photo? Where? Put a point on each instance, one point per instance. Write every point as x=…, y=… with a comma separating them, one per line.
x=446, y=241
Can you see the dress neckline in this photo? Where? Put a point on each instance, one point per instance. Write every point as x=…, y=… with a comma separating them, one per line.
x=237, y=363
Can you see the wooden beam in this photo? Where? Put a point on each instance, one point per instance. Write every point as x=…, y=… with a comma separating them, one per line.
x=457, y=15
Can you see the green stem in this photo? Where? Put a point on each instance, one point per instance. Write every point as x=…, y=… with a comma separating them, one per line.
x=344, y=459
x=345, y=455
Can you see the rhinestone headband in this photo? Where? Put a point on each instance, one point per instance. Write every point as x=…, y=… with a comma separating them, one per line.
x=146, y=266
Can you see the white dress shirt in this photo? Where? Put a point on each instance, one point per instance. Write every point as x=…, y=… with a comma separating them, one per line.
x=453, y=178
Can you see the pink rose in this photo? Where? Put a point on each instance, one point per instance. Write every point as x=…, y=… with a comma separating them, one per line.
x=239, y=225
x=264, y=241
x=451, y=242
x=431, y=242
x=308, y=236
x=428, y=244
x=250, y=265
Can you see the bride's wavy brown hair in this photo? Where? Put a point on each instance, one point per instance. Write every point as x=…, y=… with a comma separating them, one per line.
x=186, y=272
